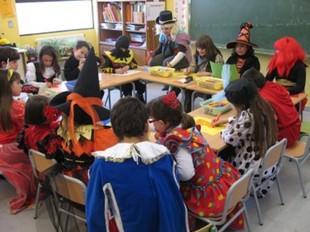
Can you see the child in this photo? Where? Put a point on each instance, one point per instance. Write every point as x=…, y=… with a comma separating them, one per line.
x=82, y=109
x=39, y=132
x=206, y=51
x=14, y=164
x=286, y=114
x=173, y=50
x=243, y=53
x=11, y=55
x=45, y=72
x=288, y=66
x=252, y=131
x=205, y=177
x=119, y=61
x=132, y=185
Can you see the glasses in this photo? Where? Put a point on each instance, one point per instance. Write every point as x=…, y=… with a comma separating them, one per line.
x=152, y=120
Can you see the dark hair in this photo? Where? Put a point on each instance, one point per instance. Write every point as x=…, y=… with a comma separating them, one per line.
x=205, y=42
x=121, y=42
x=128, y=118
x=8, y=53
x=157, y=109
x=34, y=110
x=6, y=98
x=243, y=95
x=256, y=76
x=50, y=51
x=82, y=43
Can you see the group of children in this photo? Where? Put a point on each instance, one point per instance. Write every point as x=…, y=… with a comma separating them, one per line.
x=134, y=184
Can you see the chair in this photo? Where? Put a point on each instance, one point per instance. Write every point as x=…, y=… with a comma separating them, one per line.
x=299, y=153
x=238, y=193
x=41, y=166
x=70, y=194
x=272, y=158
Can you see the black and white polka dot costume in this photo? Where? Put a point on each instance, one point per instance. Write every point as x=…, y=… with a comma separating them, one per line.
x=239, y=133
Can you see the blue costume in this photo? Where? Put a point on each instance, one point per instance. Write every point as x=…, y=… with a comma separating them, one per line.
x=135, y=185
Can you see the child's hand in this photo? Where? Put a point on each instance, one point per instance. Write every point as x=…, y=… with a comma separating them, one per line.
x=169, y=65
x=81, y=63
x=151, y=53
x=186, y=71
x=49, y=85
x=56, y=82
x=216, y=122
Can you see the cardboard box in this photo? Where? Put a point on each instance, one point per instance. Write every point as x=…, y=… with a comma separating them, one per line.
x=138, y=17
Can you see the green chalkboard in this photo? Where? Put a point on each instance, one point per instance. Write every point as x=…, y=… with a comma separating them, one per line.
x=272, y=19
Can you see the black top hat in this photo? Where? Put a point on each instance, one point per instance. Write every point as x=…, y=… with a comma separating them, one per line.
x=241, y=91
x=86, y=91
x=165, y=17
x=243, y=36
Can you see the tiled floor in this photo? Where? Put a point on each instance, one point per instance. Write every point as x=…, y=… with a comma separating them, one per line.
x=293, y=216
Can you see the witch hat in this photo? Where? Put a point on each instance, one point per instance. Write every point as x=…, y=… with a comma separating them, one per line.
x=83, y=104
x=243, y=37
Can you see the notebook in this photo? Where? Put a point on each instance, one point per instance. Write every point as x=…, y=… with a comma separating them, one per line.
x=217, y=71
x=70, y=85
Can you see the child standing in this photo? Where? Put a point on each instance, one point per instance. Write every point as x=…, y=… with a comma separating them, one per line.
x=119, y=61
x=45, y=72
x=288, y=66
x=39, y=132
x=137, y=178
x=14, y=164
x=205, y=177
x=206, y=51
x=286, y=114
x=82, y=110
x=243, y=54
x=252, y=131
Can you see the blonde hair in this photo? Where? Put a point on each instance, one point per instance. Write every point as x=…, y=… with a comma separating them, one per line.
x=174, y=29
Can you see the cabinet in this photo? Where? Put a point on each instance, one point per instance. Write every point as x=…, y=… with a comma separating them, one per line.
x=135, y=19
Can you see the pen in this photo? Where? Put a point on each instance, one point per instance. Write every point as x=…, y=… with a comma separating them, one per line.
x=216, y=119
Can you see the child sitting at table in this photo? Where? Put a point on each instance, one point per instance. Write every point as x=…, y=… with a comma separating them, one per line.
x=119, y=61
x=243, y=54
x=134, y=181
x=81, y=126
x=45, y=72
x=252, y=131
x=14, y=163
x=205, y=178
x=286, y=114
x=39, y=132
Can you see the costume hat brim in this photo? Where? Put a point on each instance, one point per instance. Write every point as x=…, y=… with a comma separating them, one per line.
x=165, y=22
x=233, y=44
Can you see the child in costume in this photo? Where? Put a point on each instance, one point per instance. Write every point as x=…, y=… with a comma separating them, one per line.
x=119, y=61
x=173, y=50
x=39, y=132
x=14, y=163
x=133, y=186
x=243, y=54
x=252, y=131
x=286, y=114
x=82, y=110
x=11, y=55
x=205, y=178
x=206, y=51
x=288, y=66
x=46, y=72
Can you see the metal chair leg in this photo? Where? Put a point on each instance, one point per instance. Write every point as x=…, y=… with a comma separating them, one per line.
x=259, y=213
x=280, y=191
x=37, y=201
x=301, y=178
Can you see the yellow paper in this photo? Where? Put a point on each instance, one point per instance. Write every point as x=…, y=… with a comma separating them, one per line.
x=206, y=127
x=6, y=9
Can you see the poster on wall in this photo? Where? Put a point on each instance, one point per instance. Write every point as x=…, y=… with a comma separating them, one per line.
x=6, y=9
x=181, y=13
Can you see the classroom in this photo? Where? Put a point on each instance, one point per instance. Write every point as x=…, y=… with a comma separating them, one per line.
x=96, y=143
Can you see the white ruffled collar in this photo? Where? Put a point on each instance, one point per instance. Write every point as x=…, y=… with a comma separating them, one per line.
x=147, y=151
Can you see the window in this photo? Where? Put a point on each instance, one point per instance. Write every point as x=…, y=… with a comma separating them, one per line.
x=45, y=16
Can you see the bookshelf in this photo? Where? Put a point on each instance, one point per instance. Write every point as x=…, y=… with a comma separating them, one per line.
x=136, y=19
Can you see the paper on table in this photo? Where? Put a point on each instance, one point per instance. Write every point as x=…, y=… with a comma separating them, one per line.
x=217, y=71
x=128, y=73
x=206, y=127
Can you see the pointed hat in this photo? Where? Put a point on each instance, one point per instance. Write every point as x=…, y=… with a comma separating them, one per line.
x=243, y=37
x=85, y=98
